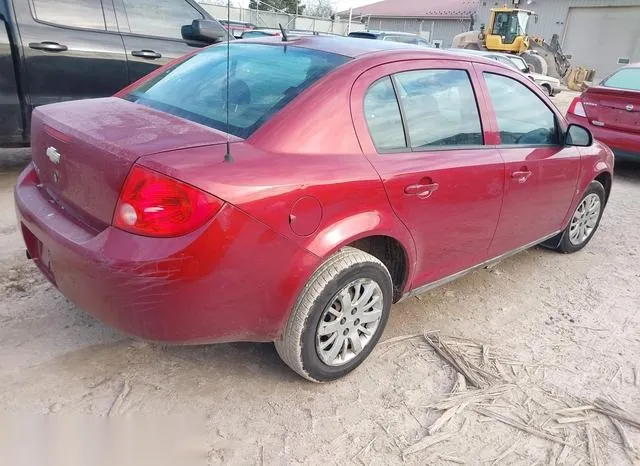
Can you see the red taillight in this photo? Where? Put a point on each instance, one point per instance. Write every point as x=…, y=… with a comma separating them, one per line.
x=152, y=204
x=577, y=108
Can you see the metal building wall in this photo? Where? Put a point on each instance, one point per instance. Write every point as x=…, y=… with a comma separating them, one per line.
x=435, y=29
x=553, y=13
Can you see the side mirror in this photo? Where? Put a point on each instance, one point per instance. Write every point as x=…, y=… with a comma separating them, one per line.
x=578, y=136
x=204, y=30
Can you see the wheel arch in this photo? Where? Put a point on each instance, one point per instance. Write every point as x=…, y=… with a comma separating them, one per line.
x=382, y=236
x=606, y=179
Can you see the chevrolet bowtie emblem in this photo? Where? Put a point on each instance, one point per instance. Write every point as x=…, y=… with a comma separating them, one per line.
x=54, y=155
x=630, y=108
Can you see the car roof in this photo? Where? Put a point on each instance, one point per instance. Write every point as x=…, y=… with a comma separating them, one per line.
x=386, y=33
x=350, y=46
x=477, y=53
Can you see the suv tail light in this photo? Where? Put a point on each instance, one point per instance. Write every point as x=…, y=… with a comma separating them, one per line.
x=152, y=204
x=577, y=108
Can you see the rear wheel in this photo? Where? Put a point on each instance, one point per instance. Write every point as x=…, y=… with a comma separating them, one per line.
x=548, y=89
x=585, y=220
x=338, y=318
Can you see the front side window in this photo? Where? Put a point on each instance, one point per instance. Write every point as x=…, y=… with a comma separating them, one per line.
x=440, y=108
x=626, y=78
x=263, y=79
x=86, y=14
x=510, y=25
x=523, y=118
x=383, y=117
x=161, y=18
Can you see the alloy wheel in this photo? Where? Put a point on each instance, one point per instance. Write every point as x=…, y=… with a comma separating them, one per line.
x=585, y=219
x=350, y=322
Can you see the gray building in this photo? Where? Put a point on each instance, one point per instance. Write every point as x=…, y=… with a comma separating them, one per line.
x=437, y=20
x=597, y=34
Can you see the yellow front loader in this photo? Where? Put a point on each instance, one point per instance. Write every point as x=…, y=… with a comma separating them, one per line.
x=507, y=33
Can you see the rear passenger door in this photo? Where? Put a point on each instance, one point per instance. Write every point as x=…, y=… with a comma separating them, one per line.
x=152, y=32
x=72, y=50
x=541, y=172
x=419, y=124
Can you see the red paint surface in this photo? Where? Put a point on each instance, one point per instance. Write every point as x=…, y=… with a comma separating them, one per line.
x=238, y=276
x=615, y=124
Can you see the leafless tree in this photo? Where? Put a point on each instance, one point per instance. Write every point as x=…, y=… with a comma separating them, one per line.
x=320, y=8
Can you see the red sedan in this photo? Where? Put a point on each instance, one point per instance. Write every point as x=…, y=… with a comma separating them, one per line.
x=328, y=179
x=611, y=111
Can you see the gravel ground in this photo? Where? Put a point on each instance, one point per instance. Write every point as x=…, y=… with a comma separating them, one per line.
x=550, y=332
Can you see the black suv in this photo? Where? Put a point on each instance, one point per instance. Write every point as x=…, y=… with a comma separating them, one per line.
x=56, y=50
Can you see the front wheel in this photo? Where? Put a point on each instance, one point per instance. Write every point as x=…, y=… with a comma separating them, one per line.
x=585, y=220
x=338, y=318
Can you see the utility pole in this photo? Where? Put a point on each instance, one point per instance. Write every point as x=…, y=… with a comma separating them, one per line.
x=350, y=18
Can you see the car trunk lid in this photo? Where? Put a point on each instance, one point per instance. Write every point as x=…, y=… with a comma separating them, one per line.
x=617, y=109
x=84, y=150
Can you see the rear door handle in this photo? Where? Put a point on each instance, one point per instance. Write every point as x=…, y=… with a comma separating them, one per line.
x=48, y=46
x=522, y=176
x=423, y=191
x=148, y=54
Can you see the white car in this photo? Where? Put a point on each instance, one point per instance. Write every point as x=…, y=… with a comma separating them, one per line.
x=550, y=84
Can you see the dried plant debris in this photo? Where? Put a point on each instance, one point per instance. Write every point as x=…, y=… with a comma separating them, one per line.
x=494, y=388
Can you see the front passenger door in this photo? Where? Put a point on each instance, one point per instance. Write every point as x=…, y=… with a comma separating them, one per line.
x=541, y=173
x=151, y=31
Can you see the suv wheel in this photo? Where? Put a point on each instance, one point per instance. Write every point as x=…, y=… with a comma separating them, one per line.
x=338, y=318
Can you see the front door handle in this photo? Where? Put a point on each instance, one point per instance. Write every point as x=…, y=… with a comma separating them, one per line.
x=48, y=46
x=423, y=191
x=522, y=176
x=148, y=54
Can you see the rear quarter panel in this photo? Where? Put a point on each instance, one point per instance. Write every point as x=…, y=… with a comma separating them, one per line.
x=315, y=159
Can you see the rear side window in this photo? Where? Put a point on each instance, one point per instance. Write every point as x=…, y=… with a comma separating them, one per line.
x=523, y=118
x=383, y=117
x=161, y=18
x=440, y=108
x=627, y=78
x=263, y=80
x=86, y=14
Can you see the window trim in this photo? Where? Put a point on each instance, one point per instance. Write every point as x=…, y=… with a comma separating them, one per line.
x=408, y=148
x=558, y=127
x=32, y=11
x=403, y=112
x=399, y=150
x=122, y=10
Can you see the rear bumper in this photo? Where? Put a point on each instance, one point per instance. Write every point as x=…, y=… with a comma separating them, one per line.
x=624, y=145
x=232, y=280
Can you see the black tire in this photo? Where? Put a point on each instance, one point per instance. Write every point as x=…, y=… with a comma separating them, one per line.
x=548, y=89
x=565, y=245
x=297, y=345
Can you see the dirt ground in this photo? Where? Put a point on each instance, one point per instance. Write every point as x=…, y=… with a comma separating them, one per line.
x=545, y=332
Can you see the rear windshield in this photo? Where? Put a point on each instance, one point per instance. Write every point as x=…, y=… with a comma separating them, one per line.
x=263, y=80
x=626, y=78
x=362, y=35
